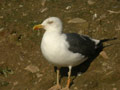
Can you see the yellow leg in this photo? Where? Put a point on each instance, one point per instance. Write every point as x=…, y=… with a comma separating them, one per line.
x=68, y=81
x=69, y=75
x=57, y=86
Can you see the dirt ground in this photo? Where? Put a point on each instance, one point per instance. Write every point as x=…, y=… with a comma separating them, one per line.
x=22, y=66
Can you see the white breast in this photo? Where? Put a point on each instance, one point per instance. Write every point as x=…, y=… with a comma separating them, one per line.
x=55, y=49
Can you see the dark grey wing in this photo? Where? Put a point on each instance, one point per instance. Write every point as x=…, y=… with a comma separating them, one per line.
x=81, y=44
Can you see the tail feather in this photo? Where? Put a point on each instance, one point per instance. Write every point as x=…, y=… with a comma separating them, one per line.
x=105, y=40
x=100, y=44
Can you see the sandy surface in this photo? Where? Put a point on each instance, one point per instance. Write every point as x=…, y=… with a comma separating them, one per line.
x=22, y=66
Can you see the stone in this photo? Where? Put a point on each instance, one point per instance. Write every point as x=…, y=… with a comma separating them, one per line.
x=91, y=2
x=1, y=29
x=77, y=20
x=32, y=68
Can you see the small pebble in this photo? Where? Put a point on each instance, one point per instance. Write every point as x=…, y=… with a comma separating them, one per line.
x=15, y=20
x=20, y=6
x=1, y=29
x=44, y=10
x=77, y=20
x=68, y=7
x=19, y=64
x=15, y=83
x=43, y=2
x=32, y=68
x=85, y=85
x=24, y=14
x=39, y=75
x=91, y=2
x=9, y=4
x=95, y=16
x=39, y=80
x=29, y=61
x=75, y=88
x=1, y=17
x=114, y=88
x=2, y=8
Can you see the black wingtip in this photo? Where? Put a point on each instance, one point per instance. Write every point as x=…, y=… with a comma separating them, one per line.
x=105, y=40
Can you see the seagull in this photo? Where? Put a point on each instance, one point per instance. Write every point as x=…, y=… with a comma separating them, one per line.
x=65, y=49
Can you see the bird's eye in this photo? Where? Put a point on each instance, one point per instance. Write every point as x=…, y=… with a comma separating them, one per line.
x=50, y=22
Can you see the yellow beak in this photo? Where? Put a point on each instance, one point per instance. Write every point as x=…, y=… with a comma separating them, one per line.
x=36, y=27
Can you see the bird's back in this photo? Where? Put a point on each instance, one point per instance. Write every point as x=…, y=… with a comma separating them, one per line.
x=81, y=44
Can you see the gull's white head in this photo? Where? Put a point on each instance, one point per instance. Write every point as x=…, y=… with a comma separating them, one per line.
x=50, y=24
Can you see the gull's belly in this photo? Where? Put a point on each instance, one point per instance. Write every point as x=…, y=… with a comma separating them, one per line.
x=59, y=55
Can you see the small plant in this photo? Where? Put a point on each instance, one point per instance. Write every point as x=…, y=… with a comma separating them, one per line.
x=5, y=71
x=3, y=83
